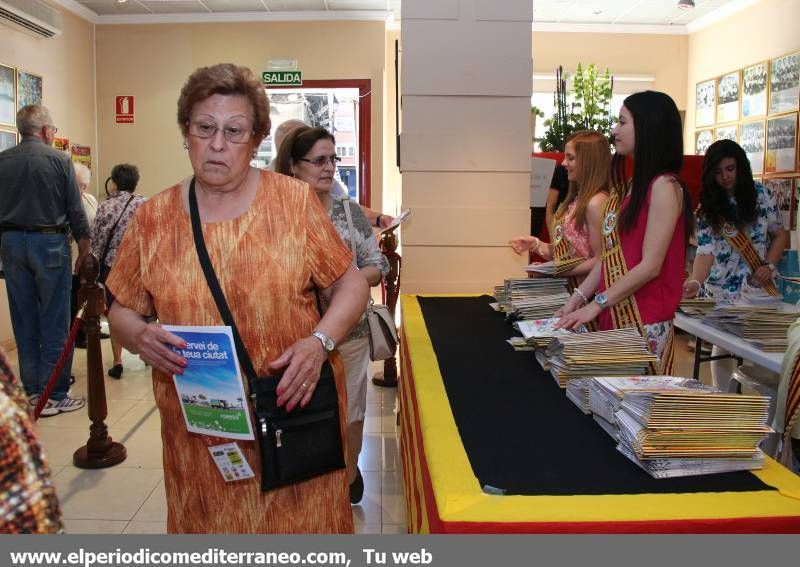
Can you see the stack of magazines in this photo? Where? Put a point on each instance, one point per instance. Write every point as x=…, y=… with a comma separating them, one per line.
x=606, y=393
x=763, y=326
x=578, y=393
x=553, y=268
x=672, y=433
x=697, y=307
x=539, y=332
x=619, y=352
x=532, y=298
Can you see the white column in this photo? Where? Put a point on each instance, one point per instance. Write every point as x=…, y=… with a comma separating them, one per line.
x=466, y=78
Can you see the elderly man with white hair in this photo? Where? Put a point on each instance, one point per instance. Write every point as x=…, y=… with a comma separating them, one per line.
x=83, y=176
x=40, y=211
x=376, y=219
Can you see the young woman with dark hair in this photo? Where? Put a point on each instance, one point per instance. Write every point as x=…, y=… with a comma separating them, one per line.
x=740, y=236
x=638, y=280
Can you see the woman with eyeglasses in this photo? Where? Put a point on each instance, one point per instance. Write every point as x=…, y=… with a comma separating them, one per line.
x=271, y=246
x=309, y=154
x=110, y=223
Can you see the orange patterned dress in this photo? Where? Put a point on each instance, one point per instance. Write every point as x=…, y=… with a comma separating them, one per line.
x=267, y=261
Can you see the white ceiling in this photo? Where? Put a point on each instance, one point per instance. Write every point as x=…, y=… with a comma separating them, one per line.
x=645, y=15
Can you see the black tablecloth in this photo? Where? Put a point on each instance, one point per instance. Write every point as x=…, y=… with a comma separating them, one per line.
x=521, y=434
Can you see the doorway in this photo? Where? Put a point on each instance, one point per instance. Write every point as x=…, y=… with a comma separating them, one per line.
x=340, y=106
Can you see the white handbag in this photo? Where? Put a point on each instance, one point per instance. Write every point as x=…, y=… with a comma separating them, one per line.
x=382, y=331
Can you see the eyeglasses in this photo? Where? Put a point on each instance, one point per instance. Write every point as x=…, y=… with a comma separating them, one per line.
x=233, y=134
x=53, y=128
x=322, y=160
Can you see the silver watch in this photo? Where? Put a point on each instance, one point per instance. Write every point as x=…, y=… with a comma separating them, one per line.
x=601, y=300
x=327, y=343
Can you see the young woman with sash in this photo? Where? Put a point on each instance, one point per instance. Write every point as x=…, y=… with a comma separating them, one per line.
x=576, y=239
x=639, y=278
x=740, y=236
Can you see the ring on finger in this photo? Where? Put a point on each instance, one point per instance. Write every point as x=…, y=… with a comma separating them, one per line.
x=303, y=386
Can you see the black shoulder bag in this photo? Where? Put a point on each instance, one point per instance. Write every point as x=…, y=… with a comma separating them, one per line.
x=292, y=446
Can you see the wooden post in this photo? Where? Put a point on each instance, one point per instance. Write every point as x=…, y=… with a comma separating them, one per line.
x=100, y=451
x=388, y=243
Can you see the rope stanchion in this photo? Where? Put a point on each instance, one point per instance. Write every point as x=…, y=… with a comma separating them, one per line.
x=69, y=346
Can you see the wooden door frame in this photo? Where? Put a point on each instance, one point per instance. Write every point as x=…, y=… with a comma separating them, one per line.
x=364, y=127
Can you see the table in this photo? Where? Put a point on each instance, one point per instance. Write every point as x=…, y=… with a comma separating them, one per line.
x=460, y=379
x=730, y=342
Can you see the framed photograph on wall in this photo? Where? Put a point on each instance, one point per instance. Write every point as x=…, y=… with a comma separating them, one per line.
x=8, y=139
x=752, y=138
x=705, y=103
x=8, y=95
x=728, y=91
x=702, y=139
x=727, y=133
x=784, y=190
x=754, y=90
x=781, y=144
x=784, y=84
x=29, y=88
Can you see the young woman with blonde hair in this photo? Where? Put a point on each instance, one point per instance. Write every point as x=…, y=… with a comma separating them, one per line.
x=576, y=226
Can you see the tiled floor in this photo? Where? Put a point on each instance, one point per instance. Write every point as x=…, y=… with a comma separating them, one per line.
x=129, y=498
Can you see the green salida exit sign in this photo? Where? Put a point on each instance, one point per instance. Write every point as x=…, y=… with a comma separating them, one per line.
x=282, y=78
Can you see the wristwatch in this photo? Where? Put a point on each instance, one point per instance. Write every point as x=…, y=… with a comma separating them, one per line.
x=771, y=267
x=601, y=300
x=327, y=343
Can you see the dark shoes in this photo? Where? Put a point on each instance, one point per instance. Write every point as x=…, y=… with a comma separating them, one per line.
x=357, y=488
x=115, y=371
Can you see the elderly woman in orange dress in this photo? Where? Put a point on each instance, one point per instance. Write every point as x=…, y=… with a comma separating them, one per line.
x=271, y=244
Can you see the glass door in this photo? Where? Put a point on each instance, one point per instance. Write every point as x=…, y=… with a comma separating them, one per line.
x=340, y=109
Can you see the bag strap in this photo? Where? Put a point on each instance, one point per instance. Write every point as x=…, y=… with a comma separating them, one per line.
x=113, y=229
x=213, y=284
x=352, y=230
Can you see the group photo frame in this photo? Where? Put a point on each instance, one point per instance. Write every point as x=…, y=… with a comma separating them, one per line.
x=728, y=96
x=781, y=144
x=784, y=84
x=8, y=139
x=754, y=90
x=752, y=138
x=705, y=103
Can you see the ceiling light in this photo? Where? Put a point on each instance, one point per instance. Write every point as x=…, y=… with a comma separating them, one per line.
x=685, y=4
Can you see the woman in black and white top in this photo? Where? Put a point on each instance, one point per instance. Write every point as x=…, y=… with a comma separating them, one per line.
x=112, y=219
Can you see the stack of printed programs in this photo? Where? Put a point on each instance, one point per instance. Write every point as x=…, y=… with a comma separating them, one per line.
x=697, y=306
x=539, y=332
x=672, y=433
x=763, y=326
x=606, y=393
x=553, y=268
x=532, y=298
x=619, y=352
x=578, y=393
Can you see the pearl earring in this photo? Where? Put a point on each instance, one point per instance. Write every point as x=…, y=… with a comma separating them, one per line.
x=185, y=145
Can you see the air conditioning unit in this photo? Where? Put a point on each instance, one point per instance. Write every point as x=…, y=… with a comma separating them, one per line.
x=31, y=16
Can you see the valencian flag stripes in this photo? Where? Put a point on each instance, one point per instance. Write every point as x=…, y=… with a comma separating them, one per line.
x=744, y=246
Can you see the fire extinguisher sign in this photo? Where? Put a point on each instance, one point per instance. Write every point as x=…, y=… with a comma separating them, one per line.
x=124, y=109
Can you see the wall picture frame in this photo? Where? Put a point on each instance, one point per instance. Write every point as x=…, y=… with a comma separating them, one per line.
x=29, y=88
x=8, y=139
x=784, y=84
x=729, y=132
x=8, y=95
x=728, y=96
x=705, y=103
x=781, y=154
x=783, y=188
x=752, y=138
x=703, y=139
x=754, y=90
